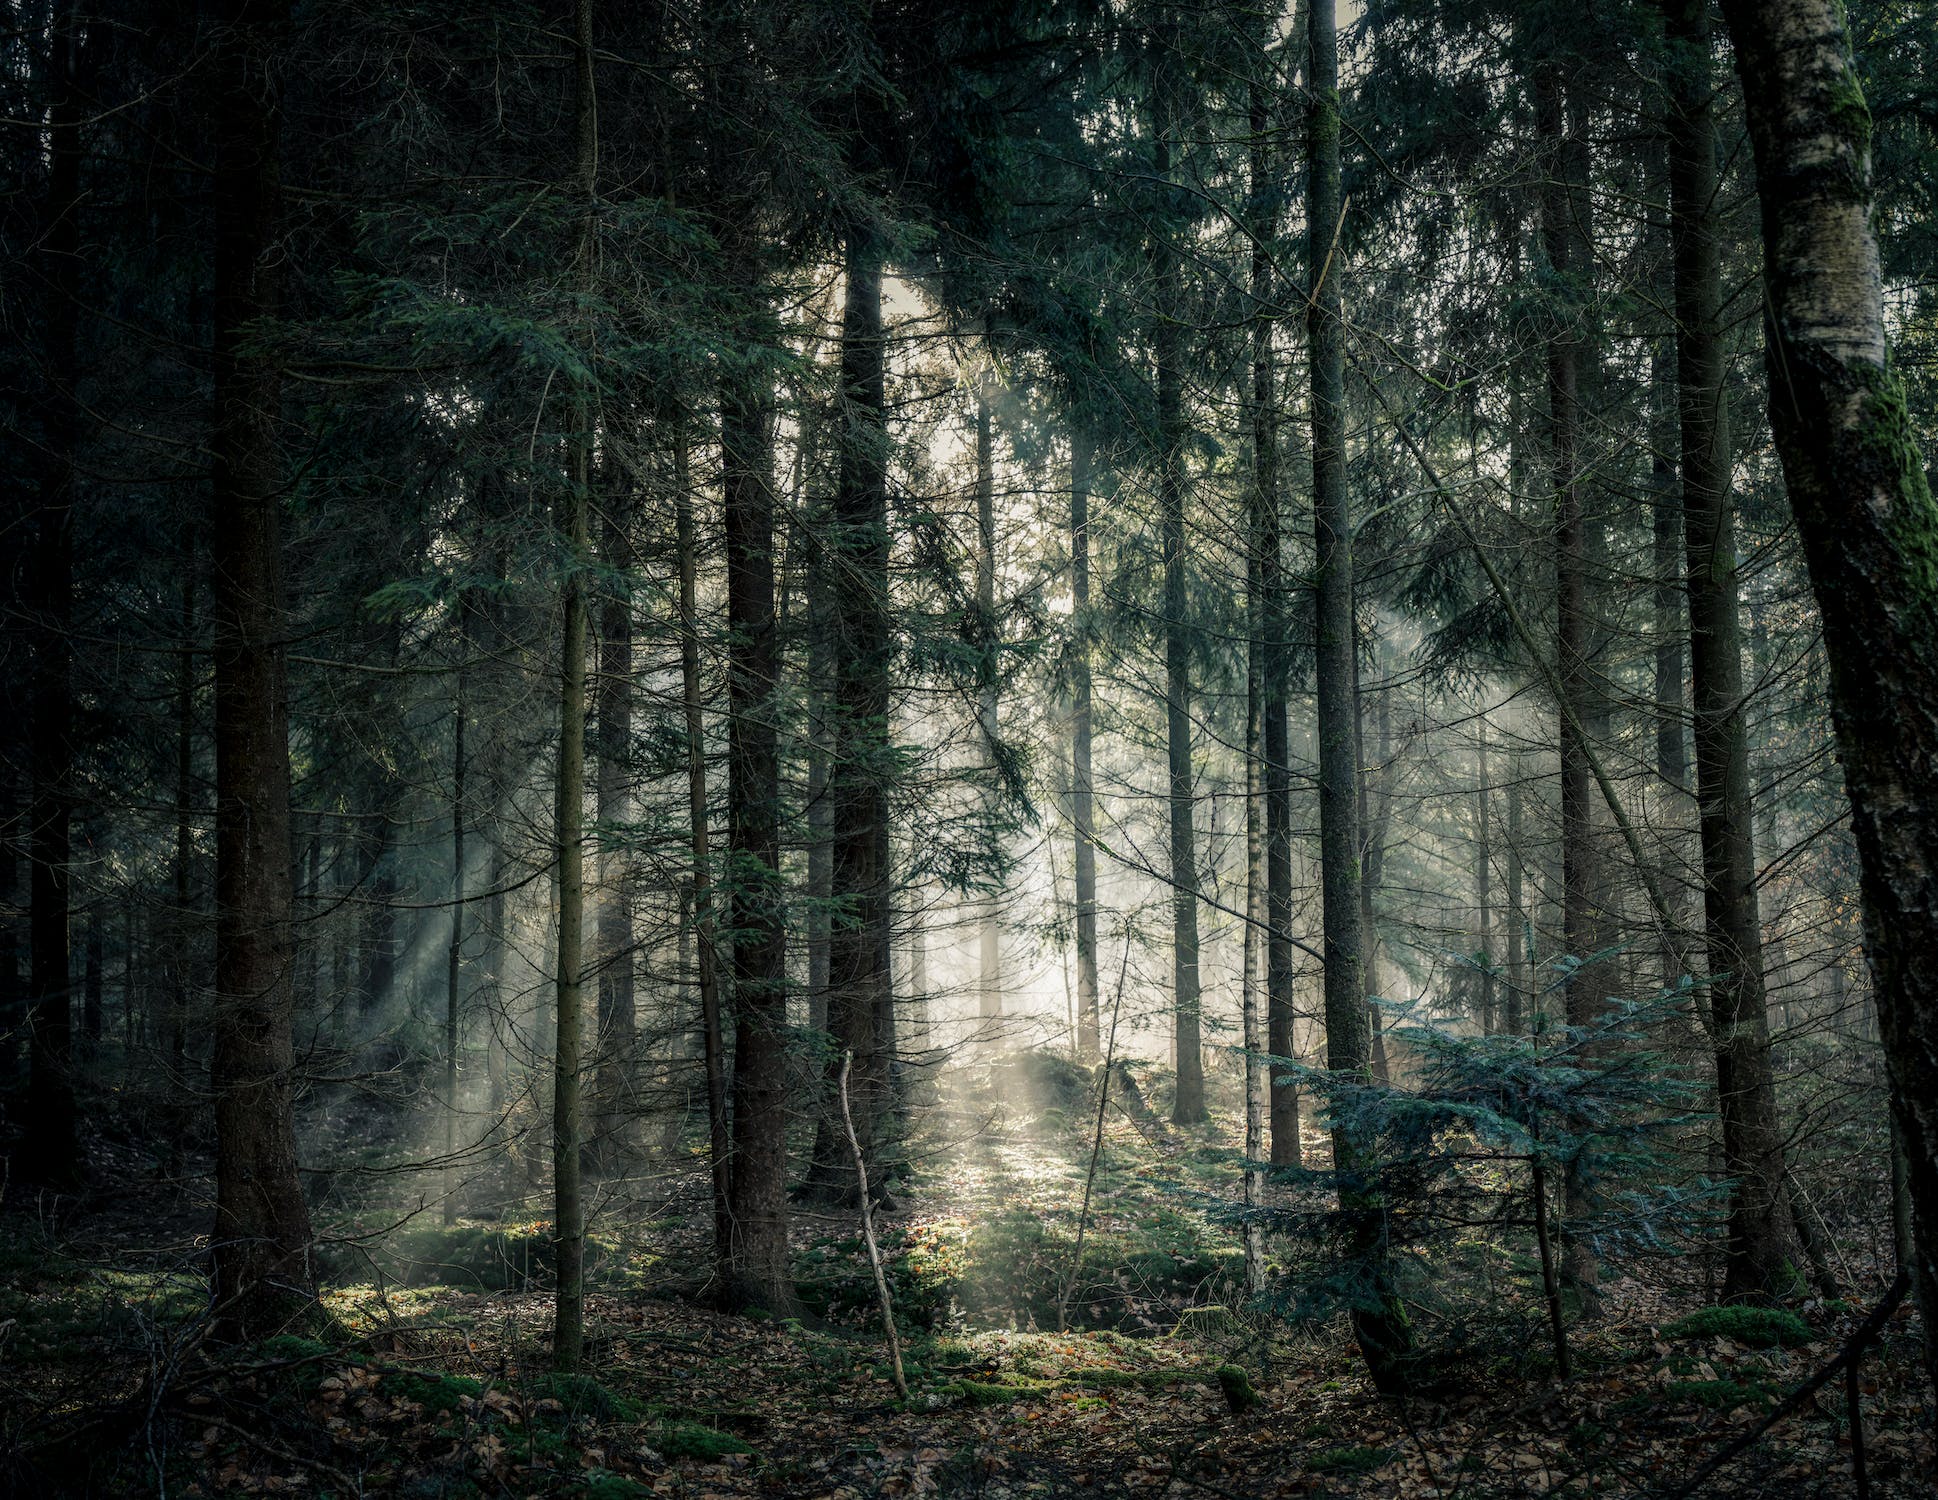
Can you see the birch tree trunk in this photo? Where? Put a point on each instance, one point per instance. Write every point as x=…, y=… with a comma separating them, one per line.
x=1863, y=506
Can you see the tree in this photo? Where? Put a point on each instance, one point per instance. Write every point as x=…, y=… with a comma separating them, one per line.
x=261, y=1245
x=1863, y=505
x=760, y=1272
x=568, y=821
x=1759, y=1259
x=52, y=1151
x=860, y=997
x=1378, y=1322
x=1166, y=82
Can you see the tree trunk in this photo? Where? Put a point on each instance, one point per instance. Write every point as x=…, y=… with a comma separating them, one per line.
x=760, y=1273
x=618, y=1022
x=454, y=953
x=1760, y=1252
x=1083, y=810
x=1264, y=535
x=1274, y=667
x=91, y=982
x=859, y=989
x=181, y=923
x=1378, y=1320
x=1864, y=511
x=1375, y=803
x=989, y=955
x=261, y=1243
x=51, y=1152
x=1189, y=1104
x=706, y=961
x=568, y=820
x=1484, y=877
x=1561, y=208
x=13, y=995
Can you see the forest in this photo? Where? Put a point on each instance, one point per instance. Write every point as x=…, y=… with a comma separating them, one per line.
x=869, y=748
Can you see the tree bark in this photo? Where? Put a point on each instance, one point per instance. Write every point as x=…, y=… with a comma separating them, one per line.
x=1378, y=1321
x=859, y=988
x=261, y=1244
x=706, y=960
x=454, y=952
x=1189, y=1104
x=1760, y=1252
x=1083, y=810
x=568, y=819
x=51, y=1151
x=618, y=1020
x=989, y=936
x=1563, y=188
x=760, y=1272
x=1274, y=667
x=1863, y=506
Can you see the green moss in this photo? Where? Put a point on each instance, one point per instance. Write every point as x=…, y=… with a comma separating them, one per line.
x=1754, y=1327
x=986, y=1393
x=1105, y=1378
x=438, y=1393
x=1850, y=115
x=582, y=1396
x=1719, y=1395
x=1347, y=1460
x=696, y=1440
x=1237, y=1388
x=601, y=1484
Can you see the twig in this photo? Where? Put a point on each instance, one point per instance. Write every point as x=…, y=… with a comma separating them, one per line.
x=868, y=1231
x=1852, y=1351
x=1096, y=1145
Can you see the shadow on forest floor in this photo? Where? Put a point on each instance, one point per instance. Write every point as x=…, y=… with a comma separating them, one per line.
x=437, y=1383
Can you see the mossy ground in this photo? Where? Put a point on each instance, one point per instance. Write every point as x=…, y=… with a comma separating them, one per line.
x=442, y=1388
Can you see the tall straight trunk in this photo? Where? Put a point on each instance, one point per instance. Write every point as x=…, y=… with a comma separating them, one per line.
x=760, y=1274
x=618, y=1021
x=92, y=945
x=1484, y=876
x=1759, y=1255
x=309, y=939
x=1379, y=1322
x=1669, y=627
x=1375, y=808
x=261, y=1245
x=1083, y=807
x=1252, y=1010
x=379, y=914
x=989, y=955
x=1864, y=511
x=818, y=919
x=1513, y=1020
x=568, y=819
x=181, y=925
x=1189, y=1105
x=706, y=961
x=1274, y=667
x=13, y=994
x=454, y=953
x=1561, y=207
x=1666, y=525
x=51, y=1150
x=860, y=994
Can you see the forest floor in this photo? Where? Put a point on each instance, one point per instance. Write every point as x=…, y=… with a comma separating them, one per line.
x=435, y=1383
